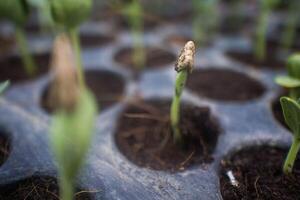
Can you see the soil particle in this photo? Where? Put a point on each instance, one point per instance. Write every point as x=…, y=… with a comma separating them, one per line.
x=224, y=85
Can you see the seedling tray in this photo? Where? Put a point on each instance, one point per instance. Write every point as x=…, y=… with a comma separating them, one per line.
x=107, y=171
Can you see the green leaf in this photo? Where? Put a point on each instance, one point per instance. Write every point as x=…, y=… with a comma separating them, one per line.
x=291, y=112
x=293, y=66
x=71, y=135
x=70, y=13
x=3, y=86
x=287, y=81
x=15, y=10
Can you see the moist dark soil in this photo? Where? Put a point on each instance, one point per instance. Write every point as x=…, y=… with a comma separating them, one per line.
x=271, y=61
x=11, y=68
x=38, y=188
x=107, y=87
x=258, y=171
x=4, y=148
x=155, y=58
x=6, y=44
x=95, y=40
x=277, y=110
x=224, y=85
x=144, y=136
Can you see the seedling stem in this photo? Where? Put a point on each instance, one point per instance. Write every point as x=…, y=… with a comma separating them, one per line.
x=27, y=59
x=76, y=45
x=184, y=66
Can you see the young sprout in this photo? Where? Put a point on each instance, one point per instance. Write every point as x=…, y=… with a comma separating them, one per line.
x=292, y=80
x=73, y=121
x=266, y=7
x=17, y=11
x=183, y=66
x=69, y=14
x=204, y=9
x=289, y=33
x=134, y=13
x=291, y=112
x=3, y=86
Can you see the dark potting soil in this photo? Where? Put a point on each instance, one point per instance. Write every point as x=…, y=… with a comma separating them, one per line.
x=155, y=58
x=4, y=148
x=95, y=40
x=144, y=135
x=11, y=68
x=271, y=61
x=107, y=87
x=6, y=44
x=258, y=171
x=38, y=188
x=224, y=85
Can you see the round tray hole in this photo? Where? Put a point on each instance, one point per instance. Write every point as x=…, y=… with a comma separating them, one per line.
x=144, y=135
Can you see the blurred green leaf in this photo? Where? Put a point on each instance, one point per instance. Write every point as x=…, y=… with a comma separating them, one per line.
x=291, y=112
x=15, y=10
x=3, y=86
x=287, y=81
x=71, y=135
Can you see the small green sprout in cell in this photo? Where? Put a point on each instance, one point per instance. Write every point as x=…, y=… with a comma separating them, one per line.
x=3, y=86
x=205, y=19
x=17, y=11
x=291, y=112
x=69, y=14
x=73, y=121
x=292, y=80
x=266, y=8
x=134, y=13
x=289, y=32
x=183, y=66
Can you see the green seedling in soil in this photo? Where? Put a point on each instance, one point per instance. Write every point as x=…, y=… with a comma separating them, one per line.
x=292, y=80
x=266, y=8
x=17, y=11
x=3, y=86
x=205, y=19
x=183, y=67
x=133, y=11
x=289, y=32
x=291, y=112
x=73, y=121
x=68, y=15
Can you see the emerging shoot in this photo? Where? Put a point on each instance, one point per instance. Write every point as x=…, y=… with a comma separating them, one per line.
x=17, y=11
x=69, y=14
x=73, y=121
x=291, y=112
x=266, y=7
x=134, y=13
x=292, y=80
x=205, y=19
x=183, y=66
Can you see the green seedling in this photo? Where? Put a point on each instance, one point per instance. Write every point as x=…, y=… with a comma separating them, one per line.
x=266, y=8
x=3, y=86
x=73, y=121
x=205, y=19
x=17, y=11
x=69, y=14
x=289, y=32
x=292, y=80
x=134, y=13
x=291, y=112
x=183, y=66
